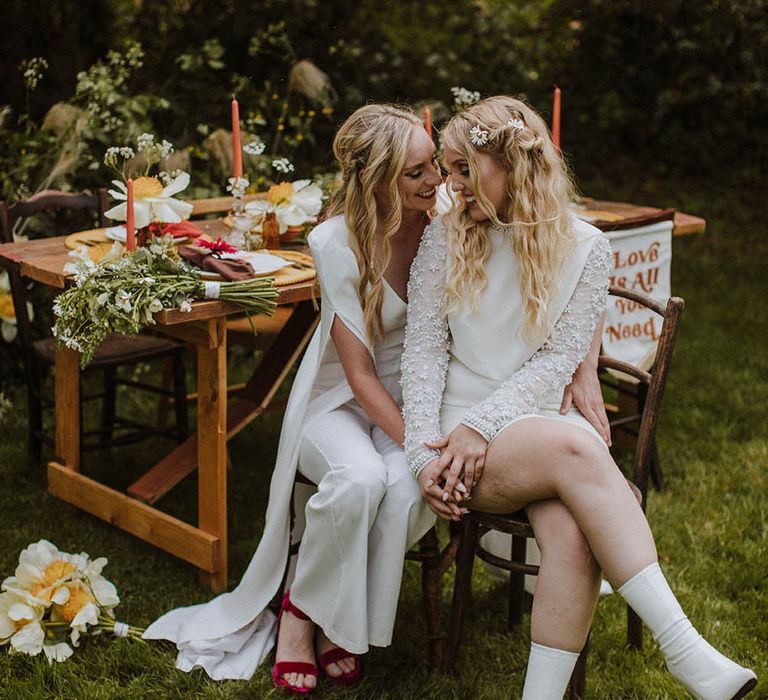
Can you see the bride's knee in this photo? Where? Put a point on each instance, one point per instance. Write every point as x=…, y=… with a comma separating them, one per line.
x=579, y=450
x=360, y=484
x=560, y=538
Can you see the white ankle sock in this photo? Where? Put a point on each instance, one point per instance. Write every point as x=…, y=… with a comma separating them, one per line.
x=548, y=672
x=698, y=666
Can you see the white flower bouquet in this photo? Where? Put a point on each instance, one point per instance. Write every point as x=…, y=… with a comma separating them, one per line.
x=53, y=599
x=122, y=292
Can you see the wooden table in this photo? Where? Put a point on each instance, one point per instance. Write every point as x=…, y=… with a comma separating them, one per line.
x=203, y=545
x=684, y=224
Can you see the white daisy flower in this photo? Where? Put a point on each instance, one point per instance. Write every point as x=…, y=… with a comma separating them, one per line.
x=478, y=136
x=151, y=201
x=516, y=123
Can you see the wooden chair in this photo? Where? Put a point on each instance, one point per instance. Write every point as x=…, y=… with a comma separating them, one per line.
x=117, y=350
x=624, y=415
x=516, y=524
x=435, y=561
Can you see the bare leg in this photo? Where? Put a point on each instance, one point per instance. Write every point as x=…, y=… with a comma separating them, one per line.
x=534, y=460
x=295, y=643
x=569, y=579
x=537, y=459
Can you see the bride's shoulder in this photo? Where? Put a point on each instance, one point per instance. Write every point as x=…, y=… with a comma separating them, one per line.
x=436, y=229
x=331, y=233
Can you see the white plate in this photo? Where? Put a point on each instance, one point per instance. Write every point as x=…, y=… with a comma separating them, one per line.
x=262, y=263
x=117, y=233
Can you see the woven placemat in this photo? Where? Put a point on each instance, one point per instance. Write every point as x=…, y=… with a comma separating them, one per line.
x=94, y=239
x=293, y=275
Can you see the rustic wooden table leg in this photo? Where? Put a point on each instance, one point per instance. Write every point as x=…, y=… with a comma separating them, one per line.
x=212, y=447
x=68, y=407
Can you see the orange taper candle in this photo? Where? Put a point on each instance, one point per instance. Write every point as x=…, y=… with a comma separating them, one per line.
x=556, y=118
x=237, y=151
x=130, y=229
x=428, y=120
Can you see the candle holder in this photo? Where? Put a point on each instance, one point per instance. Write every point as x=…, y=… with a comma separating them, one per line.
x=239, y=217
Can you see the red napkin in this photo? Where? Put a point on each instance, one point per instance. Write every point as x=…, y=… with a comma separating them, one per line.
x=231, y=270
x=183, y=229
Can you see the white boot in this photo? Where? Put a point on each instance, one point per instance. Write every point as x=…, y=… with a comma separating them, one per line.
x=548, y=672
x=703, y=670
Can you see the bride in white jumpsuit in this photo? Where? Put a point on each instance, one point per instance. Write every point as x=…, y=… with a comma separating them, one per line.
x=342, y=429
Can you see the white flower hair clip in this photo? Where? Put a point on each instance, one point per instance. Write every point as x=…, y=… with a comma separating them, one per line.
x=517, y=124
x=478, y=136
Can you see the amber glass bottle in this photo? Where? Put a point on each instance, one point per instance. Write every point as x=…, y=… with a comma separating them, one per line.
x=270, y=231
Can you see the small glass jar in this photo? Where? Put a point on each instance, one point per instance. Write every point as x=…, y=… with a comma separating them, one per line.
x=270, y=231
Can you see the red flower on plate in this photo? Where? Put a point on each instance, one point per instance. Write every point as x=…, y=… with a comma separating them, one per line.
x=216, y=247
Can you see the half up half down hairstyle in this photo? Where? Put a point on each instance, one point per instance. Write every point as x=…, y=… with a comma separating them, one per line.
x=536, y=215
x=371, y=147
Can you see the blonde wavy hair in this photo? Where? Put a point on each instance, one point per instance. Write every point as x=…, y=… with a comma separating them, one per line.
x=536, y=214
x=371, y=147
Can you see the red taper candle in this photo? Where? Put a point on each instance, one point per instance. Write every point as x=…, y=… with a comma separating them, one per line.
x=556, y=118
x=237, y=151
x=130, y=228
x=428, y=120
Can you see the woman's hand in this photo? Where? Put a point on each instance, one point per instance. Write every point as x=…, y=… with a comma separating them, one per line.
x=584, y=393
x=584, y=390
x=430, y=482
x=463, y=453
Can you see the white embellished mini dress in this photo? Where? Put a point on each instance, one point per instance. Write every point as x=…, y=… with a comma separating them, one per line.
x=478, y=367
x=366, y=513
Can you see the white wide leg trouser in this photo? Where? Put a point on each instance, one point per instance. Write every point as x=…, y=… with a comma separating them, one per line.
x=366, y=514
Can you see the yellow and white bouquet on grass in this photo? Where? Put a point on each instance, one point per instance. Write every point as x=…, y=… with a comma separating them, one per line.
x=53, y=599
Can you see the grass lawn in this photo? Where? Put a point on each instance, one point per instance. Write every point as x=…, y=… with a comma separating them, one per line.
x=710, y=523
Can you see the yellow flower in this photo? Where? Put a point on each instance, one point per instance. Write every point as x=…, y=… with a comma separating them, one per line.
x=78, y=598
x=151, y=201
x=6, y=306
x=280, y=193
x=280, y=127
x=311, y=113
x=55, y=571
x=144, y=187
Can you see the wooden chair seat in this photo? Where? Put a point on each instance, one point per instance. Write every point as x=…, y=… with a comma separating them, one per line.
x=115, y=349
x=241, y=330
x=435, y=562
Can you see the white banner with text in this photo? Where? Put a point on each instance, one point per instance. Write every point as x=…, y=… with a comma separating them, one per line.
x=642, y=260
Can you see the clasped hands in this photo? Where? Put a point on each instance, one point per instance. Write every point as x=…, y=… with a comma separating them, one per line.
x=447, y=482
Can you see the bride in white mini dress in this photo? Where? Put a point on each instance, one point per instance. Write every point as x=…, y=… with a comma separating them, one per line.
x=504, y=297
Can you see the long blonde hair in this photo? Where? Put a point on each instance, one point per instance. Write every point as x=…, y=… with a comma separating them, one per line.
x=536, y=216
x=371, y=147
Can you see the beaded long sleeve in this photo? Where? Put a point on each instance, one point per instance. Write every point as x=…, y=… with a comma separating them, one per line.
x=551, y=368
x=425, y=351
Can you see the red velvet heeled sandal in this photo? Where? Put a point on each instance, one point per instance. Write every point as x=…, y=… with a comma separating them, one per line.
x=333, y=656
x=283, y=667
